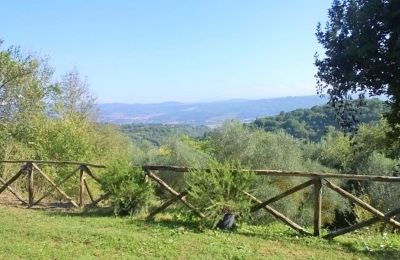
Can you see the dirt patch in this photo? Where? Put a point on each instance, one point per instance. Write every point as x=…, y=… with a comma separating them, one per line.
x=8, y=199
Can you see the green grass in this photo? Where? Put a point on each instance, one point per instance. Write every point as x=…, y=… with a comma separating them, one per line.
x=37, y=234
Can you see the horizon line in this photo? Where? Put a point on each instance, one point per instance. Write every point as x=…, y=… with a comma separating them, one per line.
x=206, y=101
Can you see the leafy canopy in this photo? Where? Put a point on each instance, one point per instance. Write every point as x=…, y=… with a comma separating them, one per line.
x=362, y=54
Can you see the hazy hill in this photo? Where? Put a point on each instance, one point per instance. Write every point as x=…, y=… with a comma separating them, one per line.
x=206, y=113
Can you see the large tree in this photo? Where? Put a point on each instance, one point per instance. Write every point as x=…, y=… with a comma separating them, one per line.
x=24, y=84
x=362, y=53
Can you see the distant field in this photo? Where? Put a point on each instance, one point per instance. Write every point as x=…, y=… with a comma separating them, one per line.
x=37, y=234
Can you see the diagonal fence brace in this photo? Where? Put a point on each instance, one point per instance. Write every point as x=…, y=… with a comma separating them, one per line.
x=173, y=192
x=362, y=224
x=282, y=195
x=279, y=216
x=56, y=186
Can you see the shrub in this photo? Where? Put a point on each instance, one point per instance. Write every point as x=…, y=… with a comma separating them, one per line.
x=385, y=196
x=130, y=192
x=220, y=191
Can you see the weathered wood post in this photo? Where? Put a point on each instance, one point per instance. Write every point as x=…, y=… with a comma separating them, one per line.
x=29, y=169
x=317, y=206
x=81, y=184
x=88, y=190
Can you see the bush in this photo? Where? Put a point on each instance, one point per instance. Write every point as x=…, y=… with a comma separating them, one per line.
x=220, y=191
x=384, y=196
x=130, y=192
x=180, y=152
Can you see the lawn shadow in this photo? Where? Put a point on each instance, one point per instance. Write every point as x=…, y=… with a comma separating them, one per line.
x=93, y=212
x=270, y=234
x=175, y=224
x=350, y=247
x=384, y=253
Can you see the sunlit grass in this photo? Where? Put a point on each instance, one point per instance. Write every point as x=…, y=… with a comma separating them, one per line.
x=37, y=234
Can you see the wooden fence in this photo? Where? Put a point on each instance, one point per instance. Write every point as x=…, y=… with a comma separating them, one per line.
x=29, y=169
x=318, y=181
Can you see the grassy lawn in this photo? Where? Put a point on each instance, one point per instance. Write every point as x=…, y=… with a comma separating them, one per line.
x=37, y=234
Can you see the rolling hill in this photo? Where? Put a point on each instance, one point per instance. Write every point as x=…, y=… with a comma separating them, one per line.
x=206, y=113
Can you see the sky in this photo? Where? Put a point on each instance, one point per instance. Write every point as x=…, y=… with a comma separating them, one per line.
x=173, y=50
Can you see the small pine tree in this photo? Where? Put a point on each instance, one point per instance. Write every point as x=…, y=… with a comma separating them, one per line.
x=130, y=193
x=219, y=191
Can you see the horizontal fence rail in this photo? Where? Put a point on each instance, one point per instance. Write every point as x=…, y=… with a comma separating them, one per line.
x=285, y=173
x=54, y=162
x=316, y=180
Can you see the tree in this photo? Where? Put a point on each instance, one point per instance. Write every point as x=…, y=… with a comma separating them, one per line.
x=74, y=97
x=23, y=84
x=220, y=190
x=362, y=54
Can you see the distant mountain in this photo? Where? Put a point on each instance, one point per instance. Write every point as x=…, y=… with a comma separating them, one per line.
x=206, y=113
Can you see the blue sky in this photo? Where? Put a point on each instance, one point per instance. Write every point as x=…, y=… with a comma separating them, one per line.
x=174, y=50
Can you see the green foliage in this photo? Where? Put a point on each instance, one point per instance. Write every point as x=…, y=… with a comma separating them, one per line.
x=181, y=152
x=384, y=196
x=361, y=53
x=339, y=151
x=158, y=134
x=255, y=148
x=312, y=124
x=129, y=189
x=24, y=82
x=220, y=191
x=41, y=120
x=335, y=150
x=73, y=97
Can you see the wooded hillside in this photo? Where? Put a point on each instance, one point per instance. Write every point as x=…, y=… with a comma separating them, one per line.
x=312, y=124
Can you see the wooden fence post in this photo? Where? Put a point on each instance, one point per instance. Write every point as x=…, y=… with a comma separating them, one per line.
x=29, y=168
x=317, y=206
x=81, y=185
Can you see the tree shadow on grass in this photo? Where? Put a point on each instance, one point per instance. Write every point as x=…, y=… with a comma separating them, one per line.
x=175, y=224
x=263, y=232
x=289, y=235
x=350, y=247
x=82, y=213
x=371, y=253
